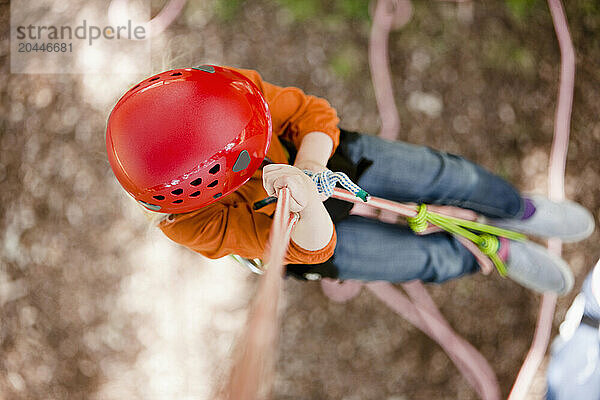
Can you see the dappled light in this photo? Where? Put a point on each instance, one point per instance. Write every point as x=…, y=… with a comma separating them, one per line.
x=97, y=303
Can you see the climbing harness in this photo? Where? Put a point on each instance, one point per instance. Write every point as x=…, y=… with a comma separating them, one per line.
x=485, y=237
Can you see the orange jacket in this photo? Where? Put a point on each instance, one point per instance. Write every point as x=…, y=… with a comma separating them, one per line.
x=231, y=226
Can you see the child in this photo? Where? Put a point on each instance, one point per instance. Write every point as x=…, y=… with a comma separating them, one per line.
x=190, y=142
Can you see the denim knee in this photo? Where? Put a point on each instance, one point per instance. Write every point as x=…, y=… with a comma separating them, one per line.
x=406, y=172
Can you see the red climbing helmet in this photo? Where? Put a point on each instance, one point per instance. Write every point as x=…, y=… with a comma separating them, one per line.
x=183, y=138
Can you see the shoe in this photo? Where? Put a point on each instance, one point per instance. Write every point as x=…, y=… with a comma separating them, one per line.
x=565, y=220
x=534, y=267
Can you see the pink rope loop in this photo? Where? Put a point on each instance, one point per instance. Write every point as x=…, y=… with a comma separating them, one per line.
x=558, y=156
x=154, y=27
x=380, y=69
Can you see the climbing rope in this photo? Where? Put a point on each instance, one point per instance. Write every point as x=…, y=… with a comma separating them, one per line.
x=252, y=373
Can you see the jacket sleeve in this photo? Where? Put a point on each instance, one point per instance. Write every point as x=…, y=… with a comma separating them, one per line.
x=220, y=230
x=295, y=113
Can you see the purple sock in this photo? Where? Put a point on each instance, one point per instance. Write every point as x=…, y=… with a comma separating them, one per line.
x=529, y=208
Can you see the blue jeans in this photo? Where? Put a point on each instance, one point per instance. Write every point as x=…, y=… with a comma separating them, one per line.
x=372, y=250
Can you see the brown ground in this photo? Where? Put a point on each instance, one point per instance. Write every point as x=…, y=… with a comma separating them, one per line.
x=94, y=306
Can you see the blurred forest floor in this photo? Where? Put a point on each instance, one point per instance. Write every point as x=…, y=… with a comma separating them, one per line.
x=95, y=304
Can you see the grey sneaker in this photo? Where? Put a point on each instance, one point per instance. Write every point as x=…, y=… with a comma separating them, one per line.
x=534, y=267
x=565, y=220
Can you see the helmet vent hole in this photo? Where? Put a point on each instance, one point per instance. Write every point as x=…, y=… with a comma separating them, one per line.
x=213, y=183
x=214, y=169
x=153, y=79
x=216, y=196
x=178, y=201
x=242, y=161
x=159, y=197
x=196, y=182
x=195, y=194
x=177, y=191
x=176, y=74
